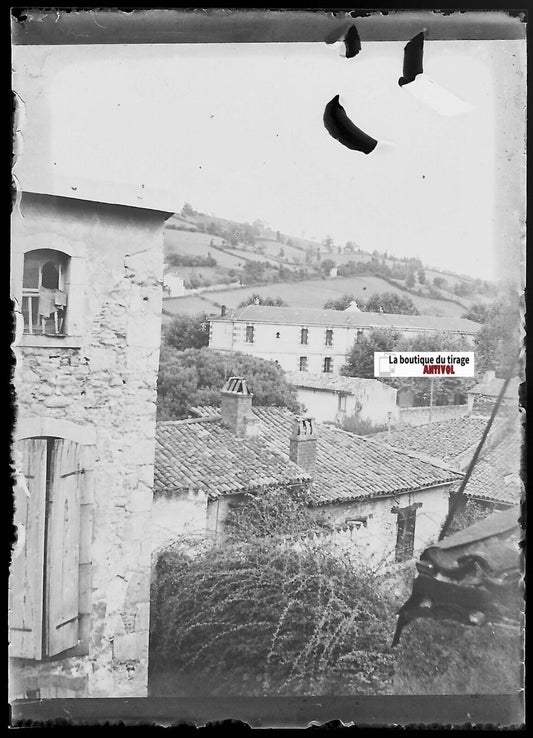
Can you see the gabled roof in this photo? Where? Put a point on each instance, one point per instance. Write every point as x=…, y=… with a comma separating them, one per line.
x=346, y=318
x=350, y=467
x=496, y=475
x=447, y=439
x=336, y=383
x=203, y=455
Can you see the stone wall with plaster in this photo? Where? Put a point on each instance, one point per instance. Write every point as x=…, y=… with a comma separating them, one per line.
x=103, y=376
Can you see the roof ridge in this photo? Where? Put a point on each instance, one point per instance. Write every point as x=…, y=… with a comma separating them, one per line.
x=185, y=421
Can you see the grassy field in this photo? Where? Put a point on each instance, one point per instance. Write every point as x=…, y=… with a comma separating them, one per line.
x=309, y=293
x=199, y=244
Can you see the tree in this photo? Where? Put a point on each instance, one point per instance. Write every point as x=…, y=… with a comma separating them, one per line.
x=256, y=299
x=328, y=243
x=410, y=279
x=440, y=282
x=421, y=274
x=271, y=612
x=341, y=303
x=187, y=331
x=360, y=359
x=254, y=271
x=497, y=343
x=196, y=376
x=447, y=390
x=479, y=312
x=391, y=302
x=187, y=210
x=327, y=265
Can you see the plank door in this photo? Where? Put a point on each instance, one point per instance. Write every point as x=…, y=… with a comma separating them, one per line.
x=27, y=565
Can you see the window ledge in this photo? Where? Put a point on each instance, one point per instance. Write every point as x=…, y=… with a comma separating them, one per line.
x=51, y=341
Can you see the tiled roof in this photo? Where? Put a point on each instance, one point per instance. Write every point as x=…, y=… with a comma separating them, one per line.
x=492, y=388
x=202, y=454
x=350, y=467
x=320, y=317
x=495, y=476
x=334, y=382
x=447, y=439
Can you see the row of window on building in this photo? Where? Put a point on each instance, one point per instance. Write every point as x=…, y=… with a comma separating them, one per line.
x=304, y=335
x=327, y=364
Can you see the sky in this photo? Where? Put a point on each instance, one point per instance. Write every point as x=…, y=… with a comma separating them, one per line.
x=236, y=130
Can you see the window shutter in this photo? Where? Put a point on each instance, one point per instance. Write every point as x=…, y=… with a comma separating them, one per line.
x=26, y=581
x=63, y=537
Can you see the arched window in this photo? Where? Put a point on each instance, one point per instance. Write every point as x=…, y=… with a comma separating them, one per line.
x=44, y=292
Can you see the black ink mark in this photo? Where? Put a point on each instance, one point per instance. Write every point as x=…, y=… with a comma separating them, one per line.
x=351, y=39
x=341, y=128
x=412, y=59
x=352, y=42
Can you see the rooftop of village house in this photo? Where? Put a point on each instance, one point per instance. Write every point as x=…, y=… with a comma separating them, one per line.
x=495, y=477
x=334, y=382
x=347, y=318
x=348, y=467
x=203, y=455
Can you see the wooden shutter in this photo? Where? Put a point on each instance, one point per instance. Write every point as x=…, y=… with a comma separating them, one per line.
x=26, y=577
x=63, y=549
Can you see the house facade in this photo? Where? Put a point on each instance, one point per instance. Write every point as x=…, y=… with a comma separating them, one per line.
x=335, y=398
x=86, y=282
x=315, y=340
x=384, y=505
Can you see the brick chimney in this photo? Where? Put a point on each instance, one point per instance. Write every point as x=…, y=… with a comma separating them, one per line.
x=489, y=376
x=236, y=408
x=303, y=444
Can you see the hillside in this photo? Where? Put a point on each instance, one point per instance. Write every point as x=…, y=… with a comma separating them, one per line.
x=223, y=262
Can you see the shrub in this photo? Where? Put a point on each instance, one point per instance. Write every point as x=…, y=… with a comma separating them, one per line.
x=261, y=618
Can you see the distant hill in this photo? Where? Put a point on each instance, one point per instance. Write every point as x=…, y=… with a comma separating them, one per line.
x=210, y=252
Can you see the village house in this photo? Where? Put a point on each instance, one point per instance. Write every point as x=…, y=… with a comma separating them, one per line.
x=86, y=273
x=203, y=465
x=335, y=398
x=315, y=340
x=385, y=505
x=482, y=397
x=495, y=483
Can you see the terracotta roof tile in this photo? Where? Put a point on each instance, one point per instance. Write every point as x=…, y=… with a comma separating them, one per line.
x=202, y=454
x=320, y=317
x=350, y=467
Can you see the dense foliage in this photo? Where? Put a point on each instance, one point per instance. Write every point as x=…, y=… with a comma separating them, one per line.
x=256, y=299
x=260, y=615
x=448, y=390
x=196, y=376
x=498, y=342
x=386, y=302
x=187, y=331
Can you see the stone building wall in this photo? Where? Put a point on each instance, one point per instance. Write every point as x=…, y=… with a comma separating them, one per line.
x=103, y=379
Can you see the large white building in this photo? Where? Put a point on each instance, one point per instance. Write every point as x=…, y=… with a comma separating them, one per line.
x=315, y=340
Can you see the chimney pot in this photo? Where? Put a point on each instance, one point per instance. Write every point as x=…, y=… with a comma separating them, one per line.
x=303, y=442
x=236, y=407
